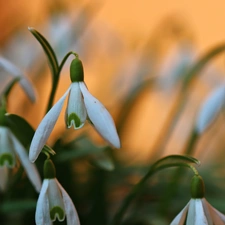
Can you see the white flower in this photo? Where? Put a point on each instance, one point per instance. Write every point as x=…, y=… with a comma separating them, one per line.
x=199, y=212
x=15, y=72
x=81, y=104
x=210, y=108
x=10, y=147
x=54, y=202
x=175, y=64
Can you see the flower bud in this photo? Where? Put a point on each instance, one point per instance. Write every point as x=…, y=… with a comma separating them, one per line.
x=76, y=70
x=197, y=187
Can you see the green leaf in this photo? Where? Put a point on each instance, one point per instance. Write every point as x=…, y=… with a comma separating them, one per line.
x=20, y=128
x=18, y=205
x=48, y=51
x=79, y=148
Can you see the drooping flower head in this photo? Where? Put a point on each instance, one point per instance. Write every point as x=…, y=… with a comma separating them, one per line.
x=10, y=150
x=198, y=211
x=54, y=203
x=14, y=72
x=81, y=105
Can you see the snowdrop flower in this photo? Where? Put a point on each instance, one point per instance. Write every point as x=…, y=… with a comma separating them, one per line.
x=53, y=202
x=198, y=211
x=10, y=149
x=175, y=64
x=210, y=108
x=81, y=104
x=15, y=72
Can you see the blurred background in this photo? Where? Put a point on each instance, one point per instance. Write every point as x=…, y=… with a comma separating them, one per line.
x=134, y=55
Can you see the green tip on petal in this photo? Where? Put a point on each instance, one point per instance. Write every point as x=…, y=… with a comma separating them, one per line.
x=49, y=169
x=197, y=187
x=76, y=70
x=57, y=212
x=73, y=119
x=7, y=160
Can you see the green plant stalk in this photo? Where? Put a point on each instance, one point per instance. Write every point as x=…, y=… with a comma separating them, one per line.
x=139, y=186
x=167, y=198
x=55, y=81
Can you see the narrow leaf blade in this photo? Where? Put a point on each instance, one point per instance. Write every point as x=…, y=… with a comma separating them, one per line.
x=48, y=51
x=20, y=128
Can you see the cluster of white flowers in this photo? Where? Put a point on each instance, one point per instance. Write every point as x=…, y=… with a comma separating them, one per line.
x=10, y=147
x=53, y=202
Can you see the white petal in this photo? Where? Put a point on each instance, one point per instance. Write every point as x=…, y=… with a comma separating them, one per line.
x=55, y=199
x=175, y=63
x=75, y=108
x=45, y=128
x=42, y=216
x=221, y=215
x=3, y=177
x=217, y=217
x=16, y=72
x=210, y=109
x=207, y=211
x=6, y=146
x=29, y=167
x=180, y=218
x=196, y=214
x=100, y=117
x=28, y=87
x=71, y=213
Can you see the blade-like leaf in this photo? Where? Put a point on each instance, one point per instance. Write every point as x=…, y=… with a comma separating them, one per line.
x=20, y=128
x=48, y=51
x=22, y=205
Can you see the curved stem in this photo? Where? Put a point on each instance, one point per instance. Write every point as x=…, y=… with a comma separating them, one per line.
x=65, y=58
x=189, y=149
x=138, y=187
x=56, y=80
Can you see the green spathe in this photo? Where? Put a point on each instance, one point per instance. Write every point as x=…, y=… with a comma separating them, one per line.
x=197, y=187
x=76, y=70
x=49, y=169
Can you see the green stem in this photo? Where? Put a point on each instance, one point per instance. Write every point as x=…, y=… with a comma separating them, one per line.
x=56, y=80
x=139, y=186
x=167, y=198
